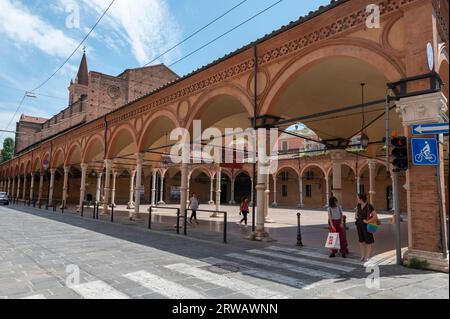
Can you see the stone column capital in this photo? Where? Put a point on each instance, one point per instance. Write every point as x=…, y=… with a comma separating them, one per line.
x=84, y=166
x=337, y=155
x=52, y=171
x=427, y=108
x=140, y=158
x=372, y=164
x=66, y=169
x=108, y=164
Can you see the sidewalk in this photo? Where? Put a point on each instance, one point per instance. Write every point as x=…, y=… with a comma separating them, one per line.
x=283, y=229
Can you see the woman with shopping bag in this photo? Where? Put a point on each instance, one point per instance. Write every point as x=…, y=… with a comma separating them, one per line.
x=366, y=224
x=336, y=223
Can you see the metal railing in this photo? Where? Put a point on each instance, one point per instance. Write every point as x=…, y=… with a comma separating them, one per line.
x=225, y=220
x=150, y=210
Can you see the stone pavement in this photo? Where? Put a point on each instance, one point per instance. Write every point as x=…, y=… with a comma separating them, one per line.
x=41, y=253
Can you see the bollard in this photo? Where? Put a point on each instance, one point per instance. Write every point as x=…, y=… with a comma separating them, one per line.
x=225, y=227
x=40, y=205
x=63, y=204
x=98, y=210
x=185, y=221
x=299, y=232
x=112, y=213
x=93, y=210
x=178, y=221
x=150, y=217
x=82, y=209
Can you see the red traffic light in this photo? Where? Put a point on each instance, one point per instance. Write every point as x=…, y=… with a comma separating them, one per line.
x=399, y=141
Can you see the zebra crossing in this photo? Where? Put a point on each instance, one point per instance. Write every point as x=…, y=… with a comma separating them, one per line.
x=253, y=274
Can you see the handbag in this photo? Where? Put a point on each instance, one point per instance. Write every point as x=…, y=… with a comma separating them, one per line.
x=372, y=228
x=333, y=241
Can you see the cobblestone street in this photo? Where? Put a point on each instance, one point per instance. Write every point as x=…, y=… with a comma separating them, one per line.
x=41, y=252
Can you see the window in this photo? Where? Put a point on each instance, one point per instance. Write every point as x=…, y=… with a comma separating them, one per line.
x=284, y=146
x=310, y=175
x=285, y=176
x=284, y=190
x=309, y=191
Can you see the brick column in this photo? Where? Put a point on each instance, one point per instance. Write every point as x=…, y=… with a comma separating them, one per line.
x=24, y=198
x=137, y=195
x=161, y=190
x=18, y=187
x=267, y=218
x=41, y=185
x=154, y=177
x=372, y=175
x=211, y=190
x=113, y=189
x=427, y=240
x=65, y=186
x=107, y=186
x=131, y=201
x=274, y=204
x=52, y=184
x=337, y=157
x=32, y=187
x=98, y=196
x=232, y=199
x=218, y=192
x=300, y=192
x=84, y=168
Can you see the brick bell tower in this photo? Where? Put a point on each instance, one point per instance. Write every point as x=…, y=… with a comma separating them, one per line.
x=80, y=87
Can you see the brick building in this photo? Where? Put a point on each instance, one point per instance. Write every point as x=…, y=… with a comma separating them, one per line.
x=92, y=95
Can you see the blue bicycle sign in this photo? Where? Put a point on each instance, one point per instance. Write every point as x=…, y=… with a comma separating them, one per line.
x=425, y=151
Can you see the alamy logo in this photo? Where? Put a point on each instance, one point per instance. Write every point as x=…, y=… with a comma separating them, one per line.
x=374, y=16
x=226, y=146
x=73, y=277
x=373, y=280
x=73, y=18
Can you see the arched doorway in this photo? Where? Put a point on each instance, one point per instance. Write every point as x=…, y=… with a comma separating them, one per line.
x=242, y=187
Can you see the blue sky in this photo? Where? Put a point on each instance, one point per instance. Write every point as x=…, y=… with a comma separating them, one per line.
x=36, y=36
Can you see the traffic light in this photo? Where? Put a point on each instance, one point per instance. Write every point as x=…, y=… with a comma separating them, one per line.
x=400, y=153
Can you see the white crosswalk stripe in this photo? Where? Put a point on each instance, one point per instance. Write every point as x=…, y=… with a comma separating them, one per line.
x=237, y=285
x=303, y=260
x=285, y=266
x=162, y=286
x=35, y=297
x=308, y=253
x=98, y=290
x=261, y=273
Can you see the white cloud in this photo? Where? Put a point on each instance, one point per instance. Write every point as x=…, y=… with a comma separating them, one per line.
x=146, y=25
x=24, y=28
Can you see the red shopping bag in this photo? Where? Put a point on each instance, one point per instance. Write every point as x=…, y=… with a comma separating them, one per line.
x=333, y=241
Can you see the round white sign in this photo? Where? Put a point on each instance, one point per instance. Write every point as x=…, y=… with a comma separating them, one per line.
x=430, y=55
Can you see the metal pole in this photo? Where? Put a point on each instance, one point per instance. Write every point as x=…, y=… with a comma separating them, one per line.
x=398, y=243
x=112, y=213
x=185, y=222
x=299, y=231
x=388, y=135
x=93, y=210
x=441, y=213
x=178, y=221
x=225, y=227
x=150, y=217
x=82, y=209
x=63, y=203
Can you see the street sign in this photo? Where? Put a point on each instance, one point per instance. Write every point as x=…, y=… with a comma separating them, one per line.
x=425, y=151
x=435, y=128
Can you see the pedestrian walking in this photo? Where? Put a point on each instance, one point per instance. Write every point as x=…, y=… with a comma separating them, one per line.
x=365, y=216
x=244, y=211
x=193, y=205
x=336, y=222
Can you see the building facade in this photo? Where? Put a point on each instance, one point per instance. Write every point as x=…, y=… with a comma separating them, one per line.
x=309, y=71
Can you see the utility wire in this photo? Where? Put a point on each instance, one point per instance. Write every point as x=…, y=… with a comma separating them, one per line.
x=227, y=32
x=196, y=32
x=76, y=49
x=40, y=94
x=62, y=65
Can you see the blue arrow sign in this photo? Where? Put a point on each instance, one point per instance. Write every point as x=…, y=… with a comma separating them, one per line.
x=425, y=151
x=436, y=128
